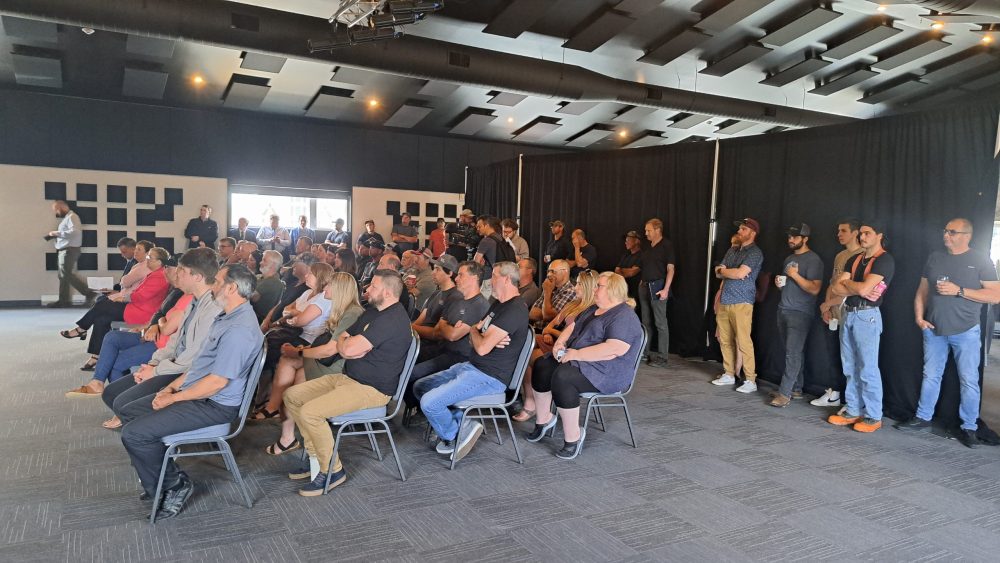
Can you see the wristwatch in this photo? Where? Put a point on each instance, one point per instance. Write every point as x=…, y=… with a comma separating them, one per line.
x=961, y=292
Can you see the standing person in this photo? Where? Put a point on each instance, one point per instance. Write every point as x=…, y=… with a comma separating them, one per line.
x=833, y=308
x=510, y=228
x=274, y=237
x=338, y=237
x=302, y=231
x=439, y=239
x=404, y=235
x=202, y=231
x=491, y=250
x=464, y=239
x=739, y=270
x=242, y=232
x=800, y=284
x=371, y=245
x=656, y=274
x=948, y=316
x=864, y=282
x=629, y=265
x=558, y=248
x=584, y=254
x=68, y=240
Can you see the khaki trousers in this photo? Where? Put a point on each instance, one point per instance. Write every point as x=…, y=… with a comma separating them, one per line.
x=311, y=403
x=734, y=332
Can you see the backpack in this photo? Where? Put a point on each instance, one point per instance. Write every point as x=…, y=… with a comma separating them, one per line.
x=505, y=251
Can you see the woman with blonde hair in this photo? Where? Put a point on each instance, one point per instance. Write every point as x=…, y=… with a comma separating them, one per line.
x=302, y=363
x=586, y=285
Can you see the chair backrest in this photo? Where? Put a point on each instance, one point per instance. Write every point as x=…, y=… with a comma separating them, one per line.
x=404, y=376
x=522, y=365
x=250, y=390
x=638, y=360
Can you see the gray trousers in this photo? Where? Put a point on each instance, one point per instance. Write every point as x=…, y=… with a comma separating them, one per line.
x=67, y=274
x=793, y=328
x=654, y=318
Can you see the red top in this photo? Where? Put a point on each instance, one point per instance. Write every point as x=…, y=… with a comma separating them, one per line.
x=438, y=243
x=146, y=298
x=181, y=304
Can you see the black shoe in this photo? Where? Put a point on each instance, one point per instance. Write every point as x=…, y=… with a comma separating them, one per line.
x=174, y=499
x=318, y=486
x=571, y=449
x=657, y=362
x=968, y=438
x=913, y=423
x=540, y=431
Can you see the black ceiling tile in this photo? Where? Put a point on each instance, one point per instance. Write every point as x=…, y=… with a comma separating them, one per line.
x=437, y=89
x=144, y=83
x=245, y=92
x=906, y=87
x=895, y=58
x=576, y=108
x=859, y=42
x=471, y=121
x=734, y=60
x=537, y=128
x=32, y=30
x=35, y=68
x=851, y=78
x=409, y=114
x=730, y=14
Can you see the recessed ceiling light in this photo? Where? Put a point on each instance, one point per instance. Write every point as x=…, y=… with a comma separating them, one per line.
x=882, y=8
x=987, y=39
x=373, y=103
x=198, y=80
x=623, y=133
x=937, y=25
x=510, y=120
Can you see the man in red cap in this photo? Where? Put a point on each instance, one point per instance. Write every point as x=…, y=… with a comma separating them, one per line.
x=739, y=269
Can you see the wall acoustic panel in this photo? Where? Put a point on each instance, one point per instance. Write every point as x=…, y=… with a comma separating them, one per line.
x=384, y=206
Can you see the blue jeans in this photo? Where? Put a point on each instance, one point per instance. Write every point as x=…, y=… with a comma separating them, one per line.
x=859, y=338
x=120, y=351
x=966, y=346
x=438, y=392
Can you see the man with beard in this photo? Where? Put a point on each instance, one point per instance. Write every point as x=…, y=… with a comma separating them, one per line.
x=68, y=240
x=799, y=285
x=739, y=270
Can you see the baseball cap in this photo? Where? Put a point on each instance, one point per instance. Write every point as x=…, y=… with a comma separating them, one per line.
x=466, y=213
x=798, y=230
x=447, y=262
x=170, y=262
x=557, y=222
x=751, y=224
x=632, y=234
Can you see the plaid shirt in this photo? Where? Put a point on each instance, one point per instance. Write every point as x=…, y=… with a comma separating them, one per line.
x=560, y=297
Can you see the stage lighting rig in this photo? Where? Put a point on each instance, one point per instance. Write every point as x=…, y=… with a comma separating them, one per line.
x=359, y=21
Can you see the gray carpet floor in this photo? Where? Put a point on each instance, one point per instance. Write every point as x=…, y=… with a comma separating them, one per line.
x=717, y=476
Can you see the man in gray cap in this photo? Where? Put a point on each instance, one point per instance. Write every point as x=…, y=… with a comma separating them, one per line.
x=799, y=282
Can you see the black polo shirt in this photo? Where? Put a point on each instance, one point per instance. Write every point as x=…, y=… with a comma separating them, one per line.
x=653, y=261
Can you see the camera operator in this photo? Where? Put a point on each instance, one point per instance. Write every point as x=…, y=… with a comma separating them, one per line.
x=462, y=236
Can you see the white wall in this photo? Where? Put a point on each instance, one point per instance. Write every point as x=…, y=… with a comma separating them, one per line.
x=28, y=216
x=372, y=203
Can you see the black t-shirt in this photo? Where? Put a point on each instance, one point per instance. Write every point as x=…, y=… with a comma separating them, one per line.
x=560, y=249
x=470, y=312
x=512, y=317
x=630, y=260
x=589, y=253
x=436, y=302
x=949, y=314
x=371, y=240
x=488, y=248
x=884, y=266
x=653, y=261
x=389, y=333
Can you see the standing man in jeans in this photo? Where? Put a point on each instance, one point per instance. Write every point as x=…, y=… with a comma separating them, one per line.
x=833, y=306
x=656, y=273
x=739, y=268
x=864, y=281
x=948, y=316
x=69, y=239
x=800, y=284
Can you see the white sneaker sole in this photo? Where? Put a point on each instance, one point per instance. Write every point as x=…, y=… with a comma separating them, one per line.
x=818, y=403
x=721, y=382
x=746, y=390
x=466, y=446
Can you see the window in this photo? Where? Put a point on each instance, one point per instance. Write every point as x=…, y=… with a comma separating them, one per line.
x=257, y=204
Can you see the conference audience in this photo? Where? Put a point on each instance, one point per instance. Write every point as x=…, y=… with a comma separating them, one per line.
x=443, y=274
x=629, y=265
x=209, y=393
x=252, y=262
x=496, y=343
x=509, y=229
x=374, y=349
x=295, y=286
x=419, y=279
x=557, y=291
x=404, y=235
x=338, y=237
x=584, y=254
x=739, y=270
x=833, y=308
x=656, y=274
x=242, y=232
x=274, y=236
x=345, y=261
x=305, y=319
x=136, y=273
x=593, y=354
x=302, y=231
x=144, y=300
x=227, y=251
x=558, y=247
x=269, y=285
x=529, y=290
x=438, y=241
x=126, y=247
x=202, y=231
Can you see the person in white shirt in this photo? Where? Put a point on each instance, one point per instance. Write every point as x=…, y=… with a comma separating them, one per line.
x=68, y=239
x=274, y=237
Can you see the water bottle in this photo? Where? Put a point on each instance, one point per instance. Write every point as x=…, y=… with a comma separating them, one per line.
x=834, y=323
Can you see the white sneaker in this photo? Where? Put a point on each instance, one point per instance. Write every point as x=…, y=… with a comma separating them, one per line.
x=724, y=379
x=829, y=399
x=467, y=440
x=747, y=387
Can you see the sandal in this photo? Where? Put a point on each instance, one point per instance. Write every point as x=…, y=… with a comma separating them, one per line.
x=278, y=448
x=112, y=423
x=90, y=365
x=264, y=414
x=74, y=333
x=524, y=416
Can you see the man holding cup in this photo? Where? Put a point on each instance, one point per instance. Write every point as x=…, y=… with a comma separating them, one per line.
x=800, y=282
x=948, y=315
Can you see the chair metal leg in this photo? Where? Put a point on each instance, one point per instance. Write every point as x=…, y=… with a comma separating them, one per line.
x=227, y=456
x=336, y=448
x=513, y=437
x=590, y=407
x=496, y=427
x=374, y=441
x=628, y=422
x=159, y=484
x=395, y=453
x=600, y=414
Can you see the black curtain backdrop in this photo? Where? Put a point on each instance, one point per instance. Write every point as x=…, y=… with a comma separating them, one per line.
x=492, y=189
x=610, y=193
x=915, y=172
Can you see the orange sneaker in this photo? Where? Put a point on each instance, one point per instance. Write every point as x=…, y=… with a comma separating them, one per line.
x=842, y=419
x=868, y=425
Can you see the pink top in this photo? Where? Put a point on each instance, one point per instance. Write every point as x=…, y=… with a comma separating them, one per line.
x=177, y=309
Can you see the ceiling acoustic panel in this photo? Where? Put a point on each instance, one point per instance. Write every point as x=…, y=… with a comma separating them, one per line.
x=599, y=31
x=861, y=42
x=735, y=60
x=576, y=108
x=143, y=83
x=591, y=135
x=796, y=71
x=899, y=90
x=32, y=30
x=897, y=58
x=245, y=92
x=508, y=99
x=734, y=126
x=537, y=128
x=437, y=89
x=355, y=76
x=262, y=62
x=959, y=67
x=518, y=16
x=154, y=47
x=331, y=103
x=647, y=139
x=37, y=67
x=730, y=14
x=688, y=120
x=808, y=22
x=409, y=114
x=472, y=121
x=852, y=78
x=631, y=114
x=674, y=46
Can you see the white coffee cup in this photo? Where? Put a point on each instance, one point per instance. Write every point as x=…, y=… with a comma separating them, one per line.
x=780, y=280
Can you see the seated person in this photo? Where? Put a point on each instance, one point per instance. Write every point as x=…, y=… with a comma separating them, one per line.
x=419, y=281
x=136, y=273
x=375, y=349
x=196, y=273
x=496, y=344
x=295, y=286
x=125, y=349
x=385, y=262
x=305, y=319
x=126, y=247
x=227, y=251
x=557, y=291
x=451, y=333
x=586, y=286
x=443, y=274
x=208, y=393
x=344, y=260
x=137, y=308
x=601, y=348
x=299, y=364
x=252, y=262
x=370, y=245
x=269, y=285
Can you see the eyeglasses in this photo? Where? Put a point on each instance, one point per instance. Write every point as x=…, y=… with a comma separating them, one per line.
x=953, y=232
